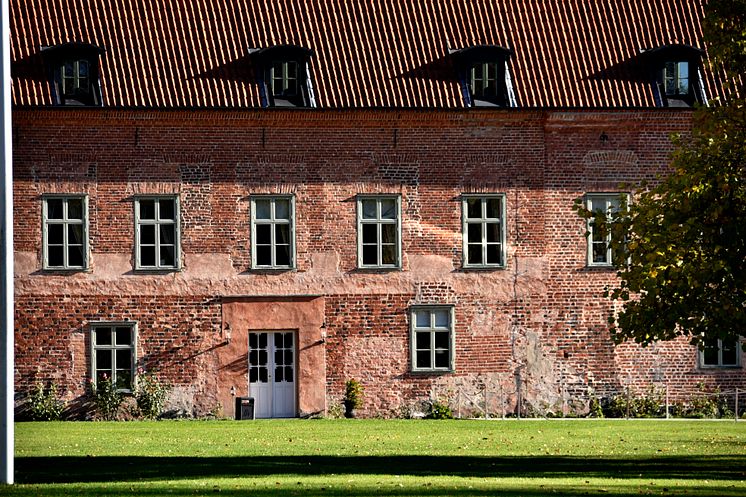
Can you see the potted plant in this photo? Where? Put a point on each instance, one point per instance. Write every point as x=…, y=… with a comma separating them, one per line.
x=353, y=397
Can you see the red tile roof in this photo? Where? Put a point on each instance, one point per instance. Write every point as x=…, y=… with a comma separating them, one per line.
x=367, y=53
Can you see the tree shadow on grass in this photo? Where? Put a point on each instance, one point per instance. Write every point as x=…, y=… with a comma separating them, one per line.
x=39, y=470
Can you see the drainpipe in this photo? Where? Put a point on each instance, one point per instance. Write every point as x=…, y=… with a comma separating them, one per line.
x=6, y=257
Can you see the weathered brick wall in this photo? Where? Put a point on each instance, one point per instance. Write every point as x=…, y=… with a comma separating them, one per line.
x=539, y=323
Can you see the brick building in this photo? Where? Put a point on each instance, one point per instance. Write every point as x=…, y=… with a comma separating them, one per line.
x=269, y=198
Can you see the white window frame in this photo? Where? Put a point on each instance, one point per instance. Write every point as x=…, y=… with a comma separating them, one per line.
x=676, y=78
x=113, y=348
x=65, y=222
x=157, y=222
x=378, y=222
x=414, y=329
x=608, y=197
x=484, y=221
x=720, y=365
x=273, y=221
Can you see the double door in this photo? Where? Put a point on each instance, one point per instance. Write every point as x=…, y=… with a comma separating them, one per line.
x=272, y=373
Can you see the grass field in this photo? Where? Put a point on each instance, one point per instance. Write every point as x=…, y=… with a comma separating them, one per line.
x=371, y=457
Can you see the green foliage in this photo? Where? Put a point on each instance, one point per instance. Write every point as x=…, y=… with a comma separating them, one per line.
x=437, y=409
x=106, y=398
x=705, y=405
x=594, y=407
x=353, y=393
x=680, y=246
x=647, y=405
x=150, y=394
x=44, y=404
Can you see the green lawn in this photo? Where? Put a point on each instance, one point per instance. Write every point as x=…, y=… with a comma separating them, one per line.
x=370, y=457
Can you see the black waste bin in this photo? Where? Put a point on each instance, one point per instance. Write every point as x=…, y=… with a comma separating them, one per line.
x=244, y=408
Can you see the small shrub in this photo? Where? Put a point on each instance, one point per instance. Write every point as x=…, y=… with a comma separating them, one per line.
x=594, y=408
x=647, y=405
x=106, y=398
x=150, y=395
x=353, y=393
x=438, y=410
x=44, y=404
x=335, y=411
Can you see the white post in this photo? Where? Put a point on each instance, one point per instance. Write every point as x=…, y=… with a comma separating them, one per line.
x=6, y=258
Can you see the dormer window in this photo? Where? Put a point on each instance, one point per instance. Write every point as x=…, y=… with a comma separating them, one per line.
x=73, y=70
x=485, y=76
x=677, y=81
x=284, y=76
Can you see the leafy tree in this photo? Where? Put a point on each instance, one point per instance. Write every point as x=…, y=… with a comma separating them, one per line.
x=680, y=245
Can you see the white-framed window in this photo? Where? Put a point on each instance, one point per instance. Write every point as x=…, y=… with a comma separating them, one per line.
x=157, y=236
x=379, y=231
x=114, y=353
x=676, y=78
x=599, y=246
x=272, y=232
x=432, y=338
x=719, y=353
x=65, y=232
x=483, y=229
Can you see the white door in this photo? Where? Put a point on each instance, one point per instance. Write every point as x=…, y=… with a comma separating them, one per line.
x=272, y=374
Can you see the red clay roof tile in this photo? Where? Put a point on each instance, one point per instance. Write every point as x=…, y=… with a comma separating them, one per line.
x=367, y=53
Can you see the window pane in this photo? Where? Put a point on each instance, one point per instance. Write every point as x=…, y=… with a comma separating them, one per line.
x=729, y=353
x=278, y=340
x=442, y=318
x=147, y=256
x=262, y=209
x=388, y=209
x=423, y=359
x=263, y=376
x=75, y=208
x=370, y=233
x=263, y=234
x=102, y=375
x=370, y=254
x=422, y=340
x=493, y=208
x=168, y=256
x=441, y=359
x=493, y=254
x=282, y=209
x=168, y=209
x=103, y=359
x=55, y=234
x=123, y=335
x=288, y=339
x=83, y=68
x=598, y=204
x=262, y=340
x=124, y=378
x=253, y=375
x=252, y=341
x=683, y=82
x=55, y=256
x=422, y=319
x=74, y=256
x=124, y=359
x=282, y=255
x=253, y=357
x=264, y=255
x=75, y=234
x=388, y=254
x=599, y=252
x=54, y=208
x=388, y=233
x=282, y=233
x=279, y=374
x=710, y=353
x=289, y=374
x=102, y=336
x=441, y=340
x=147, y=234
x=288, y=358
x=68, y=69
x=493, y=232
x=147, y=209
x=278, y=358
x=262, y=357
x=474, y=254
x=474, y=208
x=369, y=209
x=474, y=232
x=168, y=232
